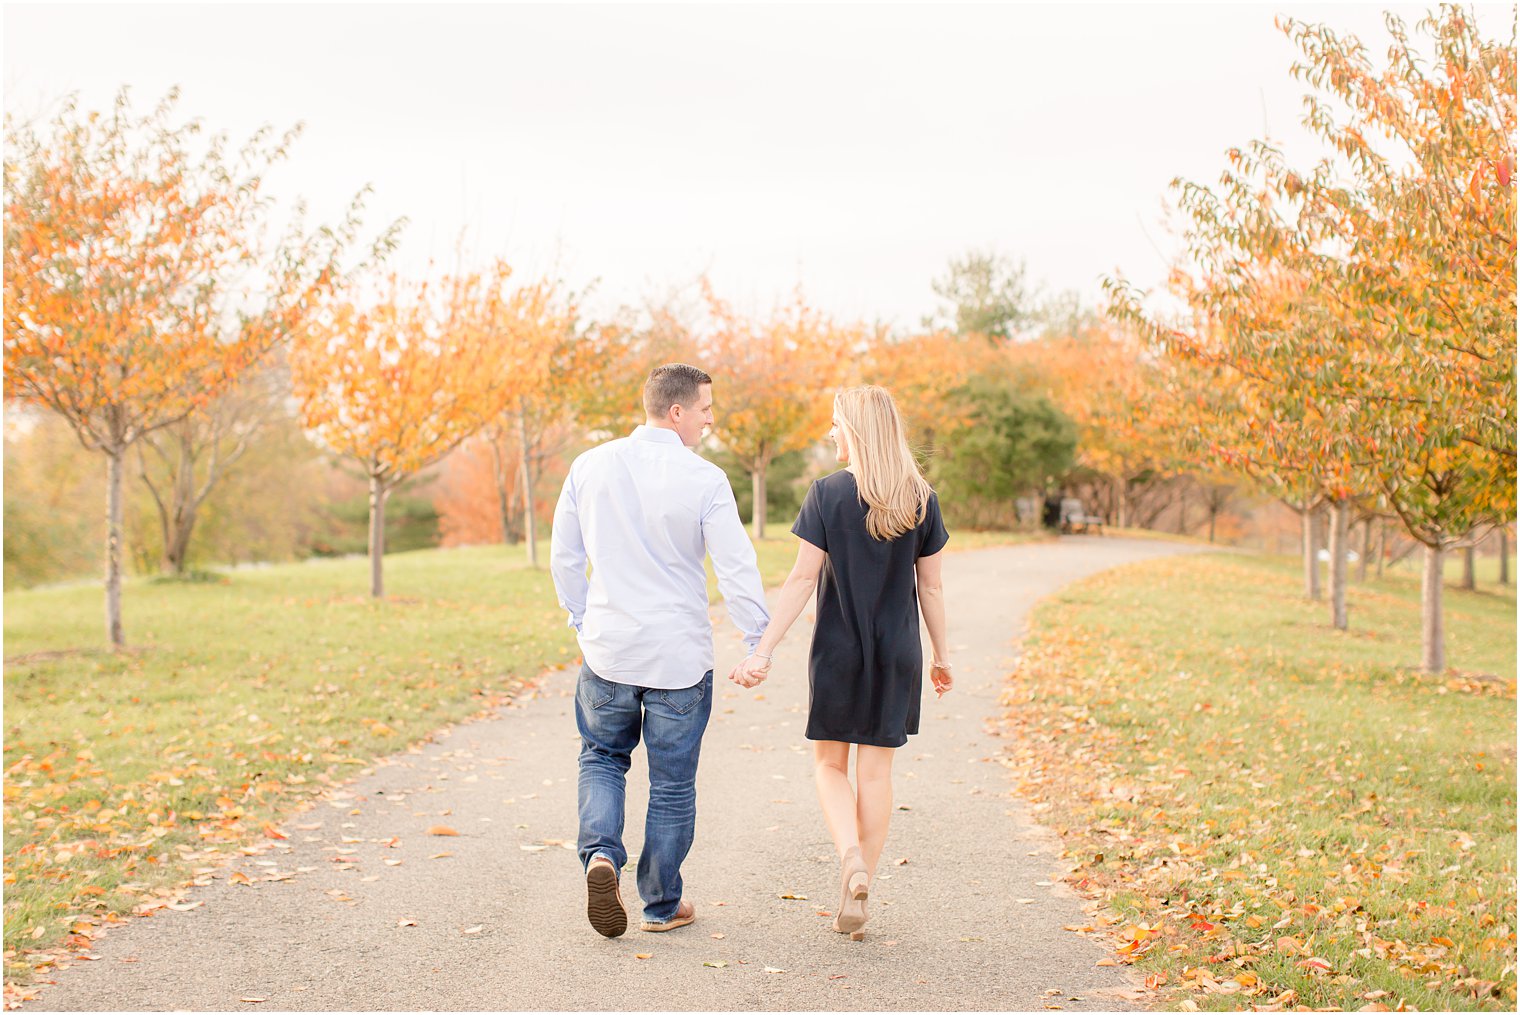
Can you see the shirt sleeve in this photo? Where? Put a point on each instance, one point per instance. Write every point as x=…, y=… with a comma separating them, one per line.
x=567, y=555
x=733, y=558
x=932, y=536
x=809, y=523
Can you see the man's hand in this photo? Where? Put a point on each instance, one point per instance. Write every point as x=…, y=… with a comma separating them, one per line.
x=751, y=672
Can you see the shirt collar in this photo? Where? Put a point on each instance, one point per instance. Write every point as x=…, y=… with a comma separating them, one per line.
x=658, y=434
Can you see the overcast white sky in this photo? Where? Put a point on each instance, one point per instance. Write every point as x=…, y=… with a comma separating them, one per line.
x=852, y=148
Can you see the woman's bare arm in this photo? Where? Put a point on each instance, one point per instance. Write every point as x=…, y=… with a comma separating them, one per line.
x=795, y=593
x=931, y=601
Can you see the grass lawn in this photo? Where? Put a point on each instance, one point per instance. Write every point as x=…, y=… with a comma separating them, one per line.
x=124, y=773
x=1271, y=811
x=1485, y=569
x=778, y=550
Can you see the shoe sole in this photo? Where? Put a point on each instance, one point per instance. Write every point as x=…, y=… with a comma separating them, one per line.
x=604, y=907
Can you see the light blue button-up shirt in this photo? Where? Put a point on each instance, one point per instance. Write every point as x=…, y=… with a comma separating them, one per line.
x=644, y=510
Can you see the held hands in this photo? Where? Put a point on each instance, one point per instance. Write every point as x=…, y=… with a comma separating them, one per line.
x=939, y=674
x=752, y=671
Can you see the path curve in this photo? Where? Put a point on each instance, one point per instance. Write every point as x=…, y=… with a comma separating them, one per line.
x=972, y=921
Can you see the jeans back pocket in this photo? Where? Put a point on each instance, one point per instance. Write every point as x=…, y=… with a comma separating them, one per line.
x=594, y=690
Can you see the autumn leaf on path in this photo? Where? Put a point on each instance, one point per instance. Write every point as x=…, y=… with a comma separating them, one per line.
x=441, y=830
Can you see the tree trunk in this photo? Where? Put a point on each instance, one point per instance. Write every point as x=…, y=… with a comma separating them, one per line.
x=1213, y=514
x=1382, y=550
x=177, y=543
x=1361, y=565
x=758, y=480
x=1432, y=637
x=177, y=549
x=1503, y=555
x=1340, y=512
x=176, y=506
x=115, y=464
x=377, y=495
x=1121, y=498
x=530, y=528
x=182, y=525
x=1182, y=507
x=503, y=498
x=1311, y=552
x=1469, y=567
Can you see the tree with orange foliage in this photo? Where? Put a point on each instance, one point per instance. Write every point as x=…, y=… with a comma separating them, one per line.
x=398, y=385
x=138, y=280
x=1120, y=399
x=776, y=378
x=924, y=371
x=1429, y=286
x=477, y=498
x=533, y=330
x=563, y=380
x=1366, y=310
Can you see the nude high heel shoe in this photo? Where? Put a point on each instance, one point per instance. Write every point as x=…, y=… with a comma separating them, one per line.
x=854, y=887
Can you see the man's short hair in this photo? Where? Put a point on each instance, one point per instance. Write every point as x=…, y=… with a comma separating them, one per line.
x=672, y=384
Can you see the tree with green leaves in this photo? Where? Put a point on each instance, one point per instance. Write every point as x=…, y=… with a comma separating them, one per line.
x=983, y=293
x=1021, y=443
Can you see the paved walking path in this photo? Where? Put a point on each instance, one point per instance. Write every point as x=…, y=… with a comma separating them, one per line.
x=971, y=921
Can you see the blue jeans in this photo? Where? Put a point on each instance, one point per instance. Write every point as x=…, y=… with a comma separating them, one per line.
x=610, y=716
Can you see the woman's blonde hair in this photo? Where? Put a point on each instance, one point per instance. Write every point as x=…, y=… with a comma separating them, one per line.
x=886, y=473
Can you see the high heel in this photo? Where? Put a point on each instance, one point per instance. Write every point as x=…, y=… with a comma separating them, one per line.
x=854, y=888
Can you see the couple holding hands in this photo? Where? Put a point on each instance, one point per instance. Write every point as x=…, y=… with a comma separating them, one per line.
x=643, y=511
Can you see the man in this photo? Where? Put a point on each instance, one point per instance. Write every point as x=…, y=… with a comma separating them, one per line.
x=644, y=510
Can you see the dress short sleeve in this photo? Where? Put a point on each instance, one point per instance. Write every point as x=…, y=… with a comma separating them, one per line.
x=932, y=536
x=809, y=523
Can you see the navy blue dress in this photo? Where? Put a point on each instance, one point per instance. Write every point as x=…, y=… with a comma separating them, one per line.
x=865, y=668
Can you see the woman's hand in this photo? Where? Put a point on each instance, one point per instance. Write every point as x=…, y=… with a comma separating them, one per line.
x=752, y=671
x=939, y=675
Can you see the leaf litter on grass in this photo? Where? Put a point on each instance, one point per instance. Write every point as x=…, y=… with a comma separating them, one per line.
x=1264, y=822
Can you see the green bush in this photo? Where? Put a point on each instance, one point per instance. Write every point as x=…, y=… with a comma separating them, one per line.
x=1019, y=443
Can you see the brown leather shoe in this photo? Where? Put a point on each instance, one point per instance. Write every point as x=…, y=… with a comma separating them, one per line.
x=604, y=904
x=685, y=913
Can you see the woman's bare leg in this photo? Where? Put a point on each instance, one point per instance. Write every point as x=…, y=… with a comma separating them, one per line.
x=873, y=793
x=831, y=764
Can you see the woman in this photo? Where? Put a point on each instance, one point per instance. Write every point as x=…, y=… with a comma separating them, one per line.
x=873, y=531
